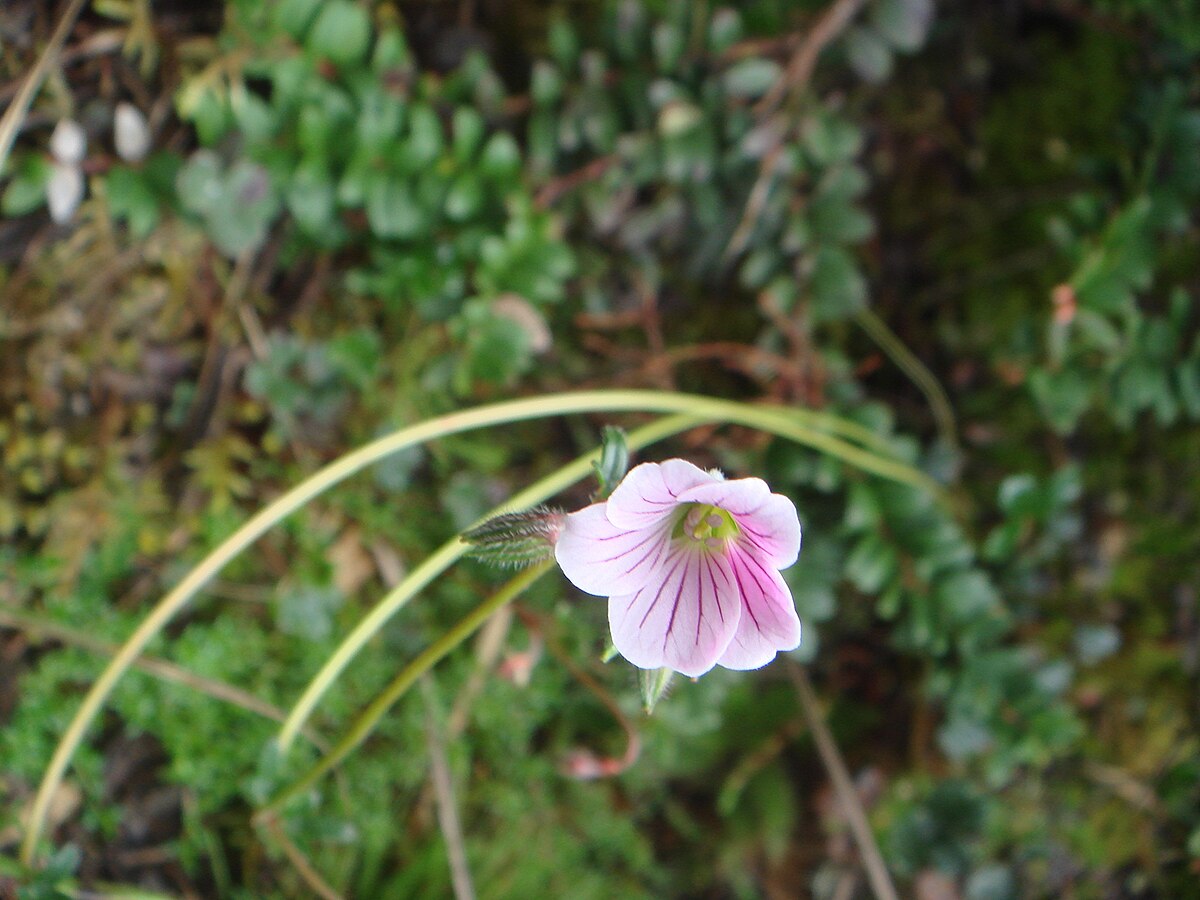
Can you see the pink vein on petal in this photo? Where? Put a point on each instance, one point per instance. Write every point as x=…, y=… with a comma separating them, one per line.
x=658, y=596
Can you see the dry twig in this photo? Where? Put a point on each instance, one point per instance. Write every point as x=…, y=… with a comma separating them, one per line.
x=877, y=873
x=443, y=791
x=11, y=123
x=794, y=79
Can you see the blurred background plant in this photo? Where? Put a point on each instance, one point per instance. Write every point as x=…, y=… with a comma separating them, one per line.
x=281, y=229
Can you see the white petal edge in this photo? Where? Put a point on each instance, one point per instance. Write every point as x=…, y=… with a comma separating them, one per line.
x=649, y=494
x=601, y=559
x=768, y=622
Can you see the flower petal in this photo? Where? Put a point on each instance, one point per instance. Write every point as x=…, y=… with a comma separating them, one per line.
x=650, y=492
x=768, y=522
x=768, y=620
x=684, y=619
x=602, y=559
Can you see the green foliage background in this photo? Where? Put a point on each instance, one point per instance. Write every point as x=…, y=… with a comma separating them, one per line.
x=971, y=230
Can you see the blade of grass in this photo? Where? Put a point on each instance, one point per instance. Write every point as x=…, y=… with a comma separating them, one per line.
x=433, y=654
x=819, y=433
x=917, y=372
x=454, y=549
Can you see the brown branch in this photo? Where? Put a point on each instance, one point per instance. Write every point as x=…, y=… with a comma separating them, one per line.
x=443, y=792
x=11, y=122
x=877, y=873
x=804, y=61
x=311, y=876
x=552, y=191
x=795, y=78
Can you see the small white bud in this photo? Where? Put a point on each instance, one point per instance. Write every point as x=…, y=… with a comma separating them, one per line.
x=131, y=134
x=64, y=191
x=68, y=143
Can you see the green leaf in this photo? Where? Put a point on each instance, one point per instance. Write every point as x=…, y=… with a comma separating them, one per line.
x=254, y=117
x=724, y=30
x=294, y=16
x=829, y=139
x=465, y=197
x=814, y=577
x=341, y=33
x=27, y=190
x=392, y=209
x=760, y=267
x=210, y=115
x=1063, y=396
x=668, y=44
x=501, y=157
x=993, y=882
x=497, y=347
x=468, y=131
x=391, y=52
x=131, y=199
x=962, y=737
x=564, y=43
x=357, y=356
x=653, y=684
x=306, y=611
x=201, y=182
x=869, y=55
x=610, y=469
x=966, y=595
x=751, y=77
x=838, y=290
x=310, y=198
x=379, y=120
x=871, y=564
x=838, y=221
x=546, y=83
x=903, y=23
x=1187, y=382
x=424, y=143
x=246, y=206
x=1096, y=642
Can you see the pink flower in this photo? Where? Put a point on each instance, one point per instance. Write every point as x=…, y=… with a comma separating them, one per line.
x=690, y=565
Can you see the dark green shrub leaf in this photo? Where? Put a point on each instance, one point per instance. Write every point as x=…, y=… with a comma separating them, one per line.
x=837, y=288
x=341, y=33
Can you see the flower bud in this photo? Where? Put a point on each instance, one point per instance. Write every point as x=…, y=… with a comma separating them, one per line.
x=68, y=143
x=131, y=134
x=64, y=191
x=517, y=539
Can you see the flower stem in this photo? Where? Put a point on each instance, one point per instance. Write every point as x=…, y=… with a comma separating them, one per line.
x=814, y=429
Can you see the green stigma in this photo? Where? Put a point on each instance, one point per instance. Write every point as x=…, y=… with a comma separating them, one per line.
x=707, y=523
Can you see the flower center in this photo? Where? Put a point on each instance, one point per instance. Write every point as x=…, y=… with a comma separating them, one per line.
x=707, y=524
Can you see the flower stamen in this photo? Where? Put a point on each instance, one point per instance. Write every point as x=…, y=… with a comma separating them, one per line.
x=707, y=524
